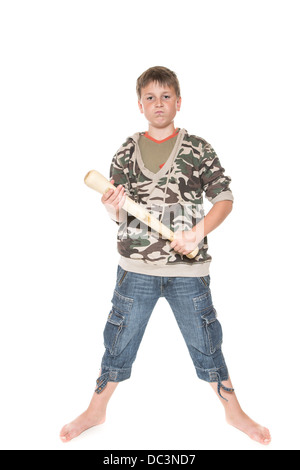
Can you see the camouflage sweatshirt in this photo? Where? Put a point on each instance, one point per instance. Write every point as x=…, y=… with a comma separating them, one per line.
x=175, y=196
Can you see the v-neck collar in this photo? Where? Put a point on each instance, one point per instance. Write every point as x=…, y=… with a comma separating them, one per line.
x=167, y=166
x=175, y=133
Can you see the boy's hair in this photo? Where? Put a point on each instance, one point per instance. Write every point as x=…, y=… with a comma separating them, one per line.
x=158, y=74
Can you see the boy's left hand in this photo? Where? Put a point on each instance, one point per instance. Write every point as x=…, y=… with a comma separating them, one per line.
x=185, y=242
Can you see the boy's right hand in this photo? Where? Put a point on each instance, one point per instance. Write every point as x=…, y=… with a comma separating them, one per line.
x=114, y=199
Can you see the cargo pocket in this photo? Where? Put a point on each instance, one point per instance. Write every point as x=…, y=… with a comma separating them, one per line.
x=213, y=330
x=117, y=323
x=210, y=327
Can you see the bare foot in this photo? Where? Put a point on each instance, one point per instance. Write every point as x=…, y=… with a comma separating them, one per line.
x=79, y=425
x=245, y=424
x=236, y=417
x=93, y=416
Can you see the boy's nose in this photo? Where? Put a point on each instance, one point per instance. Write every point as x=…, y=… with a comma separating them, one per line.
x=159, y=103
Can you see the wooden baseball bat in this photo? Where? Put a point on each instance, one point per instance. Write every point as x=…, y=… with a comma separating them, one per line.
x=99, y=183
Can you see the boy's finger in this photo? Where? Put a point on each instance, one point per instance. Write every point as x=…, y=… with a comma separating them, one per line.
x=108, y=194
x=116, y=193
x=121, y=202
x=115, y=197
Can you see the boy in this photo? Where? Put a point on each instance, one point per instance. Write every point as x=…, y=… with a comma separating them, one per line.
x=167, y=170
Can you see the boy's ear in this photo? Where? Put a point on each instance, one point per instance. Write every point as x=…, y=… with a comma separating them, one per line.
x=141, y=107
x=178, y=104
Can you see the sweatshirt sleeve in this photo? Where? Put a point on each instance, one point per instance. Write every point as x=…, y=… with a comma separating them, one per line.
x=119, y=175
x=213, y=180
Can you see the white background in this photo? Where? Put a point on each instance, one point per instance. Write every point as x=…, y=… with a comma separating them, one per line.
x=68, y=73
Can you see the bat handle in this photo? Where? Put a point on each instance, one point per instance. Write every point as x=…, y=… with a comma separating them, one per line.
x=193, y=253
x=190, y=255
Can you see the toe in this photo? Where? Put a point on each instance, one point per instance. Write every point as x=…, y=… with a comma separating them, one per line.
x=267, y=437
x=67, y=437
x=263, y=437
x=64, y=434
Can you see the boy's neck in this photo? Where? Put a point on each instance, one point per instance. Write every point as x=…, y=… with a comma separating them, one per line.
x=161, y=133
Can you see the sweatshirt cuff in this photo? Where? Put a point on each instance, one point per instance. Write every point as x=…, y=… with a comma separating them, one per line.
x=223, y=196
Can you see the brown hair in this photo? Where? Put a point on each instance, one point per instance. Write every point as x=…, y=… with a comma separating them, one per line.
x=161, y=75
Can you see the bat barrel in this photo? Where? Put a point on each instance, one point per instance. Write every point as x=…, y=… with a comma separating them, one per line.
x=94, y=180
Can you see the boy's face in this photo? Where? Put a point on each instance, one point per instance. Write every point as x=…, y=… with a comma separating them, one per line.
x=159, y=104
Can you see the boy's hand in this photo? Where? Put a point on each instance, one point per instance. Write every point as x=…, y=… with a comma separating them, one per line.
x=185, y=241
x=114, y=200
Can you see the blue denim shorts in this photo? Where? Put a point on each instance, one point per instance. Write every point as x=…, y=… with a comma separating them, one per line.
x=134, y=299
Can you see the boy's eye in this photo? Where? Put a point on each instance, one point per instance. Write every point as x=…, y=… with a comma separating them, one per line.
x=165, y=97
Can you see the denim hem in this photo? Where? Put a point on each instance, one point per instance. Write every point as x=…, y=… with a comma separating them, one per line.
x=215, y=375
x=111, y=375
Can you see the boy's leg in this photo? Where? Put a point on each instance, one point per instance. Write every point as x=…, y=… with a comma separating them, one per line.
x=133, y=301
x=236, y=417
x=191, y=302
x=93, y=416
